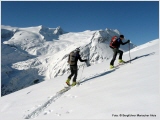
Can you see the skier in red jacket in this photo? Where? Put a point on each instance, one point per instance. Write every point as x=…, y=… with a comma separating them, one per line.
x=114, y=45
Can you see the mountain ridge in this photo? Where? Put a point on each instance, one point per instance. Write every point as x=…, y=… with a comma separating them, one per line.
x=44, y=51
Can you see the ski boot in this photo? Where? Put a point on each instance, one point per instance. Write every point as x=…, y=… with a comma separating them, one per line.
x=73, y=84
x=121, y=61
x=68, y=82
x=111, y=66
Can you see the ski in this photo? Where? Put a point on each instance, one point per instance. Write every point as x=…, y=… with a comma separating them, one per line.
x=122, y=64
x=119, y=65
x=65, y=89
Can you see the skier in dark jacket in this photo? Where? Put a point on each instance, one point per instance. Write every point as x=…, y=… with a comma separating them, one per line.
x=114, y=45
x=74, y=67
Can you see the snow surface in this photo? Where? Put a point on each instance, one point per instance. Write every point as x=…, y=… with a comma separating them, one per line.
x=128, y=92
x=40, y=53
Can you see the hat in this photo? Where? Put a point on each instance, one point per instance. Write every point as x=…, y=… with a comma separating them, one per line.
x=121, y=36
x=77, y=49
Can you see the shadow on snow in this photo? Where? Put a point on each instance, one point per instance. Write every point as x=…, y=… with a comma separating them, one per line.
x=110, y=71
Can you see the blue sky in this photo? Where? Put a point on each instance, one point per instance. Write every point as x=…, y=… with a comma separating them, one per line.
x=138, y=21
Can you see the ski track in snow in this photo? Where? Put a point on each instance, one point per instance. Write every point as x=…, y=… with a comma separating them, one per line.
x=52, y=99
x=40, y=109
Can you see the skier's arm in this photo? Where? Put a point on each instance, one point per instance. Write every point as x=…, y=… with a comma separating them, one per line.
x=125, y=42
x=79, y=57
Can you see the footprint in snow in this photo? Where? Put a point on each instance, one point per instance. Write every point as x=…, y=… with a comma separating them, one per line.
x=58, y=114
x=73, y=96
x=48, y=112
x=69, y=111
x=29, y=92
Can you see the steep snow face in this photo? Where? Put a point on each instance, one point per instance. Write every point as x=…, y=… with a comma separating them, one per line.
x=59, y=31
x=43, y=53
x=130, y=92
x=99, y=46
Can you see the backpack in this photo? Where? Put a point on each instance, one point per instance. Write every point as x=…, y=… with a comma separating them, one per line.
x=113, y=41
x=72, y=58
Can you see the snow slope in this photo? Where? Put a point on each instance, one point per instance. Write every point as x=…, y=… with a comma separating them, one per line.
x=128, y=92
x=39, y=53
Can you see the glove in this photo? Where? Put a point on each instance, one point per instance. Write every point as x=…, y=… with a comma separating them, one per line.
x=128, y=41
x=85, y=60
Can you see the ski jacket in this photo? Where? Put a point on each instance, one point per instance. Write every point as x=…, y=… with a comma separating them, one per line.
x=117, y=43
x=78, y=57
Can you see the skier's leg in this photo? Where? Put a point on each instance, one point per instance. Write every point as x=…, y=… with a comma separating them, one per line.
x=75, y=76
x=72, y=72
x=114, y=56
x=120, y=54
x=75, y=73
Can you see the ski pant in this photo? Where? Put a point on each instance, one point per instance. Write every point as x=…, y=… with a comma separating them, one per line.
x=116, y=51
x=74, y=70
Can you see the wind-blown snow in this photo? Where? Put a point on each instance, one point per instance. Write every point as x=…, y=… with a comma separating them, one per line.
x=34, y=54
x=128, y=92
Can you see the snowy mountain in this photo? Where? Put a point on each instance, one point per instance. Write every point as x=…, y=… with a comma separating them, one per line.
x=34, y=54
x=130, y=91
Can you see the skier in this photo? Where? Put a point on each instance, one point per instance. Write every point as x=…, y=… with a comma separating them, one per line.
x=114, y=45
x=73, y=58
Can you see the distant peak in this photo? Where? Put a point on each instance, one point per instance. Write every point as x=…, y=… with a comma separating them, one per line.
x=117, y=31
x=59, y=27
x=42, y=27
x=59, y=31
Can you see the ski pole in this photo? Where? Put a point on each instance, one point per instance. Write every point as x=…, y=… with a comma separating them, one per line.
x=82, y=72
x=129, y=52
x=78, y=83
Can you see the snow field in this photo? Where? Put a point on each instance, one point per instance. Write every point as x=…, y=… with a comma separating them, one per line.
x=128, y=92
